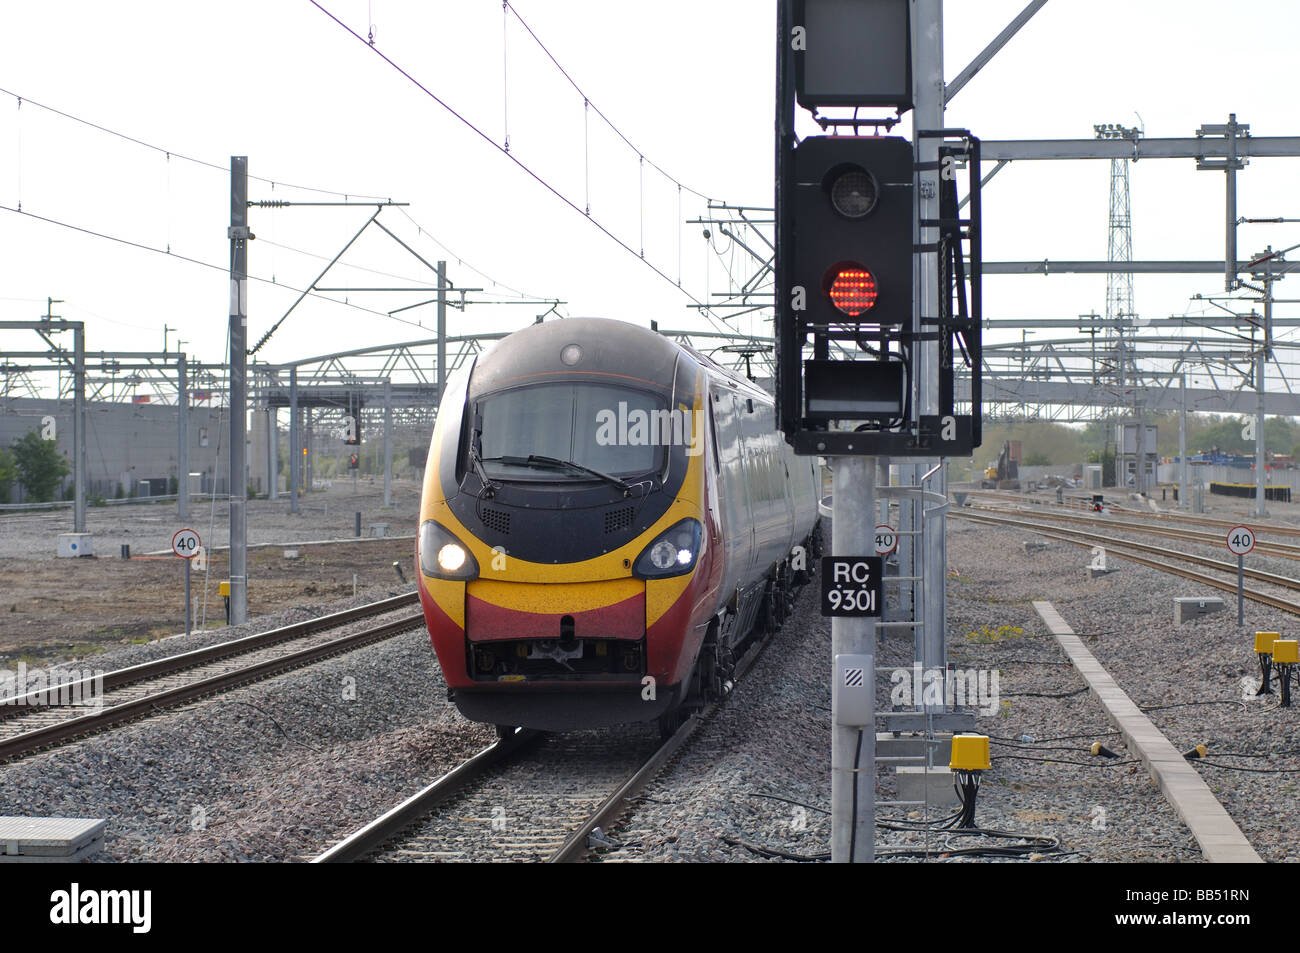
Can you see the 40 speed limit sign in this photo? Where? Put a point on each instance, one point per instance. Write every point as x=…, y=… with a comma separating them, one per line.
x=1241, y=540
x=853, y=586
x=186, y=543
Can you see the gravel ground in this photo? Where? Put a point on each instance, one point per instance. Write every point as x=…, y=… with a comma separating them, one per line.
x=201, y=638
x=279, y=770
x=1207, y=668
x=276, y=771
x=757, y=773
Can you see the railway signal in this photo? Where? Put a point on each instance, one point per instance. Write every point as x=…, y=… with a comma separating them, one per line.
x=851, y=376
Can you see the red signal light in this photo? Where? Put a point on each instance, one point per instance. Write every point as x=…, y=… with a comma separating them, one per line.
x=852, y=289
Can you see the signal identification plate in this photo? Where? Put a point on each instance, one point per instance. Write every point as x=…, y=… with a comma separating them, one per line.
x=853, y=586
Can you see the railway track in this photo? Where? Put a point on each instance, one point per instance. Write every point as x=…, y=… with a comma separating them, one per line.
x=1157, y=558
x=30, y=722
x=1147, y=516
x=1153, y=527
x=530, y=796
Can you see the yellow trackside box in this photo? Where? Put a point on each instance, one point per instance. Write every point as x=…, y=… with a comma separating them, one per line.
x=1264, y=642
x=225, y=588
x=970, y=753
x=1286, y=651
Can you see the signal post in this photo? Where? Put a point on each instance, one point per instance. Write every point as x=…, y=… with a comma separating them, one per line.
x=877, y=298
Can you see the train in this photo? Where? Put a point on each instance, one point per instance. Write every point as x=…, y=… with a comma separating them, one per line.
x=607, y=518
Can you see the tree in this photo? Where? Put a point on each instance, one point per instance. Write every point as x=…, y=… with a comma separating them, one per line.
x=8, y=473
x=39, y=465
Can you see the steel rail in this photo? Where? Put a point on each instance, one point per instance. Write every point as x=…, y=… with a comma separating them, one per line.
x=612, y=808
x=1117, y=548
x=49, y=735
x=13, y=706
x=385, y=828
x=390, y=826
x=1284, y=550
x=1201, y=519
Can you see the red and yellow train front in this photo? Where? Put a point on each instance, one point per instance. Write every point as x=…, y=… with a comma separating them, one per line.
x=567, y=585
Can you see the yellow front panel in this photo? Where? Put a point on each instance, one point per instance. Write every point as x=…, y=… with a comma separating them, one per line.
x=548, y=598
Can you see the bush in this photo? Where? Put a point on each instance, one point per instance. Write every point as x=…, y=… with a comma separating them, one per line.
x=8, y=474
x=40, y=466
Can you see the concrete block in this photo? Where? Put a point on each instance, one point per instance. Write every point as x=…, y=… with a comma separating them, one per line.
x=75, y=544
x=1034, y=546
x=933, y=785
x=1187, y=608
x=889, y=745
x=291, y=554
x=50, y=839
x=378, y=529
x=1096, y=571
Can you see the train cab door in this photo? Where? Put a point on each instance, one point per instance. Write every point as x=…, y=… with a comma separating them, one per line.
x=737, y=507
x=746, y=472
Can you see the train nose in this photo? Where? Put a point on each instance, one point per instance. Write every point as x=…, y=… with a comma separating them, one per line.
x=513, y=610
x=536, y=630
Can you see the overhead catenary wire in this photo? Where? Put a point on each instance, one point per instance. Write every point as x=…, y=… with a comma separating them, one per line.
x=216, y=166
x=204, y=264
x=425, y=233
x=587, y=100
x=720, y=325
x=389, y=274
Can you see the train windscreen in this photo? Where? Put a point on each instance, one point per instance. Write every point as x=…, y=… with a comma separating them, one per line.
x=611, y=429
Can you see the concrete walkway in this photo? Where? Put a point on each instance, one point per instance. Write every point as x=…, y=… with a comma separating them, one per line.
x=1221, y=840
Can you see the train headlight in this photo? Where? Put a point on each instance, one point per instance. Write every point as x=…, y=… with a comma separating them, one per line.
x=443, y=556
x=451, y=557
x=672, y=553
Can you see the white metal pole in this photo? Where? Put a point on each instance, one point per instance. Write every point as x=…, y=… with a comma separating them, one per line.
x=79, y=428
x=388, y=444
x=853, y=750
x=295, y=438
x=1184, y=501
x=239, y=236
x=182, y=440
x=273, y=446
x=1261, y=360
x=927, y=70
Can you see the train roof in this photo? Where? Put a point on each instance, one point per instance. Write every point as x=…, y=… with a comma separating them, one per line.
x=628, y=349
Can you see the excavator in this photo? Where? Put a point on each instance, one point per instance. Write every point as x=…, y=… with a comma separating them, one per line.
x=1004, y=473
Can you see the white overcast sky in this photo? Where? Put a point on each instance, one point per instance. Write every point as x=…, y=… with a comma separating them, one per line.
x=689, y=83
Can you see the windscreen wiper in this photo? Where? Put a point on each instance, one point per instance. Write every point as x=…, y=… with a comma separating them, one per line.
x=489, y=488
x=537, y=460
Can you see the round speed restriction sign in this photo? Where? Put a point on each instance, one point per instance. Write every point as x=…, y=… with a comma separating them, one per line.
x=1241, y=540
x=886, y=539
x=186, y=543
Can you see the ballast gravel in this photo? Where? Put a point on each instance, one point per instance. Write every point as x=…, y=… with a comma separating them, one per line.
x=276, y=771
x=279, y=770
x=755, y=782
x=1198, y=680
